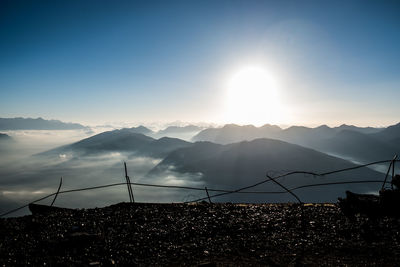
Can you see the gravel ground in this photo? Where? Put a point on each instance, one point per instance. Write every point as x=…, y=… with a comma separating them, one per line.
x=200, y=234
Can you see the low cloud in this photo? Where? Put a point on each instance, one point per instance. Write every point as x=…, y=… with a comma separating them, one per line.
x=26, y=177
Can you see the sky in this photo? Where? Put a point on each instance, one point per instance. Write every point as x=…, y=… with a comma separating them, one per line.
x=92, y=62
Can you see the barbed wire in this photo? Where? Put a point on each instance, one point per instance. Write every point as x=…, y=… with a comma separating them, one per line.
x=293, y=173
x=223, y=192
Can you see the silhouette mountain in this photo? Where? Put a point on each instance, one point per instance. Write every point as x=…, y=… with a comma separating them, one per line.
x=361, y=147
x=304, y=136
x=178, y=129
x=347, y=141
x=37, y=124
x=244, y=163
x=232, y=133
x=124, y=140
x=391, y=134
x=364, y=130
x=184, y=132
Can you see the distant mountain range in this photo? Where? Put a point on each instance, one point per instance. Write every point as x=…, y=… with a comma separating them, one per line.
x=346, y=141
x=360, y=144
x=181, y=132
x=37, y=124
x=178, y=129
x=232, y=133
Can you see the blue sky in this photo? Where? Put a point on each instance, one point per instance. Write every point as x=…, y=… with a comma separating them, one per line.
x=142, y=61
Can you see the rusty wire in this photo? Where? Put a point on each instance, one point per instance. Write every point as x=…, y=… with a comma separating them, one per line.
x=223, y=192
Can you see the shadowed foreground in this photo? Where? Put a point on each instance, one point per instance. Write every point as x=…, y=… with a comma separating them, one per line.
x=201, y=234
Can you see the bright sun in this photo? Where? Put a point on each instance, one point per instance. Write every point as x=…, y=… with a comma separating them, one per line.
x=252, y=97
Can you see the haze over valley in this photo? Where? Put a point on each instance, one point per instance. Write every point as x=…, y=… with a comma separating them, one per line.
x=225, y=157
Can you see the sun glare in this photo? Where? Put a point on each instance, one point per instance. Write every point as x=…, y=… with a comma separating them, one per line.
x=252, y=97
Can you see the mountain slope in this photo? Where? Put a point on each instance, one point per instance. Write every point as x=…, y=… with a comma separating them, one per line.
x=163, y=146
x=391, y=134
x=244, y=163
x=362, y=147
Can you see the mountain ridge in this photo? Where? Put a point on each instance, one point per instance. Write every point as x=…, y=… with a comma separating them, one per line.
x=122, y=140
x=381, y=142
x=20, y=123
x=240, y=164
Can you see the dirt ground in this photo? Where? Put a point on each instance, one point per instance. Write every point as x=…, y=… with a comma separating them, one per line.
x=200, y=235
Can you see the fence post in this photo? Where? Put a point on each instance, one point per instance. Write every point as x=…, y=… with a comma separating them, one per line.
x=208, y=195
x=394, y=161
x=58, y=190
x=387, y=173
x=128, y=184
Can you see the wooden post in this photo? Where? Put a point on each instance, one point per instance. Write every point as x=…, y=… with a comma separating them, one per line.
x=58, y=190
x=208, y=195
x=128, y=184
x=394, y=161
x=387, y=173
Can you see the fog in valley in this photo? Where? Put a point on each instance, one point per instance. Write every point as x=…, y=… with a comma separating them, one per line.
x=33, y=161
x=26, y=175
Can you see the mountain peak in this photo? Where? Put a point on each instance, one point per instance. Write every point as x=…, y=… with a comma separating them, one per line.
x=323, y=126
x=141, y=129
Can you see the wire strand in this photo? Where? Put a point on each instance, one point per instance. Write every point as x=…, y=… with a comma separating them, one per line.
x=224, y=191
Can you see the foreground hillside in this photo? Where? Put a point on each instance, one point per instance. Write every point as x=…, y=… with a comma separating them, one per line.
x=201, y=234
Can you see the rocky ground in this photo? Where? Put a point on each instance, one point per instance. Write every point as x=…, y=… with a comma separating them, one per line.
x=200, y=234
